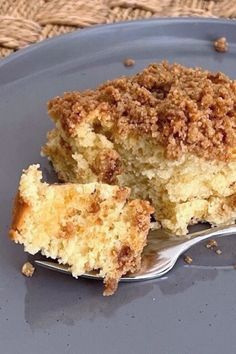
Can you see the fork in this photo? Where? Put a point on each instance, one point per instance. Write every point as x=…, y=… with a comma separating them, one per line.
x=160, y=255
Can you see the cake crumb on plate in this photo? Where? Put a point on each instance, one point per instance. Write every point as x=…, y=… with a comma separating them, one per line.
x=211, y=244
x=27, y=269
x=221, y=45
x=188, y=259
x=129, y=62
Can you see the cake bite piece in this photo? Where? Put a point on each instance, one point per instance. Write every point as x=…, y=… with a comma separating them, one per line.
x=88, y=227
x=168, y=133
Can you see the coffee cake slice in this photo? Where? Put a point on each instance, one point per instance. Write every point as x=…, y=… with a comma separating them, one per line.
x=89, y=227
x=168, y=133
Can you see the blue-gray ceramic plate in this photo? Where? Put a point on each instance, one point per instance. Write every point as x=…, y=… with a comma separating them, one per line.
x=190, y=311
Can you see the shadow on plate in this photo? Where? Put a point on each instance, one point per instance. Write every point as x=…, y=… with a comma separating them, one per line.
x=53, y=297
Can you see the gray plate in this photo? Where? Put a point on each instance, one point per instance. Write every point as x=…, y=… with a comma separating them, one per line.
x=193, y=309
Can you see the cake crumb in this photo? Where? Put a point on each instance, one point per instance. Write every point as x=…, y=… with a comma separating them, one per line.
x=211, y=244
x=221, y=45
x=218, y=252
x=28, y=269
x=129, y=62
x=188, y=259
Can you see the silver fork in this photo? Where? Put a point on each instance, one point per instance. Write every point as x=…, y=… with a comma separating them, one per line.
x=160, y=255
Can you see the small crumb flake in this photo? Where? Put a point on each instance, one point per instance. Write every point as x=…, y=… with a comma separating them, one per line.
x=27, y=269
x=221, y=45
x=218, y=252
x=129, y=62
x=155, y=225
x=188, y=259
x=211, y=244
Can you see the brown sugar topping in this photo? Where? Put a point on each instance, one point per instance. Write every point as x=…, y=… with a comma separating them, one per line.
x=182, y=109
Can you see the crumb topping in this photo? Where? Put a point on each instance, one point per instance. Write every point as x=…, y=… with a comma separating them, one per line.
x=182, y=109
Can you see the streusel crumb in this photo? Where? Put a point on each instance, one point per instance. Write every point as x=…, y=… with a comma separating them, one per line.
x=129, y=62
x=211, y=244
x=188, y=259
x=28, y=269
x=221, y=45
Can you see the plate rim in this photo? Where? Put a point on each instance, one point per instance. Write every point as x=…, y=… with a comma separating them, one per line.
x=101, y=27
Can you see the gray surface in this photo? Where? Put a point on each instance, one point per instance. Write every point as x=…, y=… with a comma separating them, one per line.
x=193, y=310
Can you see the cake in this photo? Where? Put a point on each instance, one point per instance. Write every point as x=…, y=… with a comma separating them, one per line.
x=92, y=226
x=168, y=133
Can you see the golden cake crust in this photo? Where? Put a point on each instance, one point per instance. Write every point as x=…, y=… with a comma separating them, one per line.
x=20, y=209
x=182, y=109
